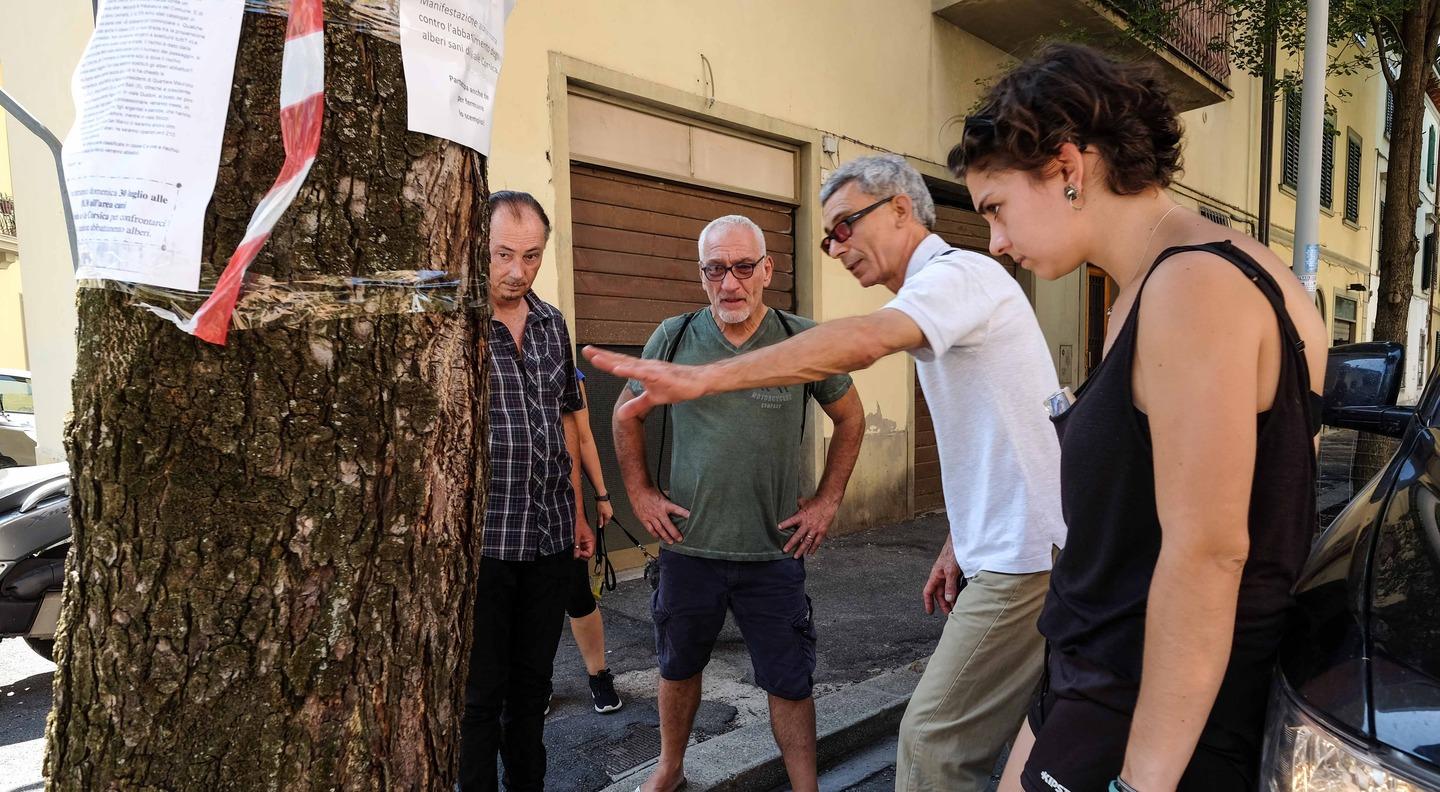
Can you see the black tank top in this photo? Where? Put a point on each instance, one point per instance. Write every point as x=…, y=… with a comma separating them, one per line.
x=1094, y=617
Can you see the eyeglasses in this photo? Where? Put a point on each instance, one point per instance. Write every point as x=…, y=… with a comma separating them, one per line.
x=843, y=229
x=743, y=270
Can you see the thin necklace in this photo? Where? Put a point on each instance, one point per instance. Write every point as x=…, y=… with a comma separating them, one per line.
x=1148, y=240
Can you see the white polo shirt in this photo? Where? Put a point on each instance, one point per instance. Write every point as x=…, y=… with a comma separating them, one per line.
x=986, y=373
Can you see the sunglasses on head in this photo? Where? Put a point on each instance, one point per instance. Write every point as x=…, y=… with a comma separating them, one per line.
x=979, y=125
x=843, y=229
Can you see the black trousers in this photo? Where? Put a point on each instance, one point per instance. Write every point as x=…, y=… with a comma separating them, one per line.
x=519, y=613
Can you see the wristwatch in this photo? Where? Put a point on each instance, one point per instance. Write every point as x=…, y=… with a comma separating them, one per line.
x=1119, y=785
x=602, y=498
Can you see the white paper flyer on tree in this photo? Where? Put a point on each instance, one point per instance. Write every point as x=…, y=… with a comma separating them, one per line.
x=151, y=94
x=452, y=50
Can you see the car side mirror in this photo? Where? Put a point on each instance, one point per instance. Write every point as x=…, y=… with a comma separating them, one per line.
x=1362, y=383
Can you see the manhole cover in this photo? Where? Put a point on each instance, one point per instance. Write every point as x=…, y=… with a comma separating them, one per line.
x=640, y=744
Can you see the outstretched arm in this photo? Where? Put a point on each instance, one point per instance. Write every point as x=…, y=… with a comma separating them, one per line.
x=837, y=347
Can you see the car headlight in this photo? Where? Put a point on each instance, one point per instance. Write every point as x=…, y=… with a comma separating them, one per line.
x=1304, y=755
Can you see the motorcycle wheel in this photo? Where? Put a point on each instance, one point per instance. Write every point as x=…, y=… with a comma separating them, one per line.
x=45, y=647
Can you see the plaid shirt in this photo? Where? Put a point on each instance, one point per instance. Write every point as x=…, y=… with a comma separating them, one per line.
x=531, y=508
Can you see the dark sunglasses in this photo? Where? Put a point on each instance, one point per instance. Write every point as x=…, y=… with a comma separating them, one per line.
x=742, y=270
x=843, y=229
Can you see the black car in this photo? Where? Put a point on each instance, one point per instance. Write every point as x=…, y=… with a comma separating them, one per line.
x=1357, y=698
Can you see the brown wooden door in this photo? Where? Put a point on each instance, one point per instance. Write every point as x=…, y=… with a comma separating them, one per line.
x=1100, y=293
x=963, y=229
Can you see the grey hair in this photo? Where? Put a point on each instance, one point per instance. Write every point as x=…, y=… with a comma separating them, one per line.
x=732, y=221
x=882, y=176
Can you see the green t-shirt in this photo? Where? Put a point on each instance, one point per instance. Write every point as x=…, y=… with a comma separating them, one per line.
x=736, y=456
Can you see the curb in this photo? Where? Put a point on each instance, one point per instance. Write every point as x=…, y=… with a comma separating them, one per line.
x=748, y=759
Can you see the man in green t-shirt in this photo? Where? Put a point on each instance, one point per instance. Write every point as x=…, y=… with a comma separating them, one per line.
x=734, y=539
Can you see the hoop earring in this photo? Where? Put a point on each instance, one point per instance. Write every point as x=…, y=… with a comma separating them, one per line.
x=1071, y=195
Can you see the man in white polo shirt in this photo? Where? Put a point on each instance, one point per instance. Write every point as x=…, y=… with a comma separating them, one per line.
x=986, y=372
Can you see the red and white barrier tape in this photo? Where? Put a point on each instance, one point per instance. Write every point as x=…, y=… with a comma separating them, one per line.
x=302, y=108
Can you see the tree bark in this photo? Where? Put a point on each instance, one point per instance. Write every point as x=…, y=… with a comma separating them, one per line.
x=1398, y=244
x=275, y=541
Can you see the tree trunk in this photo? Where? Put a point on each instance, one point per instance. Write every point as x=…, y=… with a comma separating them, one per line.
x=275, y=541
x=1398, y=245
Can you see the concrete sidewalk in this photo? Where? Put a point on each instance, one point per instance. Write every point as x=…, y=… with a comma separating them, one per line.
x=874, y=637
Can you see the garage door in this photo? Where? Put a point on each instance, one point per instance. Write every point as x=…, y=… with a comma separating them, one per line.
x=963, y=229
x=635, y=257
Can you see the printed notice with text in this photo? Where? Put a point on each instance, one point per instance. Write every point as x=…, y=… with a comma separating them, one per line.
x=151, y=94
x=452, y=51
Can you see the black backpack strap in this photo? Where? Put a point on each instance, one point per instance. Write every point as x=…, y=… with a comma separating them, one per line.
x=665, y=413
x=1293, y=342
x=809, y=386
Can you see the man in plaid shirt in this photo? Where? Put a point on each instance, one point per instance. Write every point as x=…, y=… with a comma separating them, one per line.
x=534, y=524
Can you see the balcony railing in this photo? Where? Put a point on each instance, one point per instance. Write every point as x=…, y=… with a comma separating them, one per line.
x=7, y=215
x=1178, y=37
x=1192, y=28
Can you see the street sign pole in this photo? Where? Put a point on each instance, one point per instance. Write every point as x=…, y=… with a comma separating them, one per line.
x=1312, y=129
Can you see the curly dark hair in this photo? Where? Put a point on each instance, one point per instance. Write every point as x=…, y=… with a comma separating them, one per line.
x=1069, y=93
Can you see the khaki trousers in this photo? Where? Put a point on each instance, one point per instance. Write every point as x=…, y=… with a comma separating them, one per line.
x=977, y=687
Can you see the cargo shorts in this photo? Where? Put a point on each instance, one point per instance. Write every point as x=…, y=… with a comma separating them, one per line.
x=768, y=599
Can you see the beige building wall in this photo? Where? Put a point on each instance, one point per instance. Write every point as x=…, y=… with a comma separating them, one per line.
x=773, y=70
x=12, y=326
x=40, y=43
x=1222, y=170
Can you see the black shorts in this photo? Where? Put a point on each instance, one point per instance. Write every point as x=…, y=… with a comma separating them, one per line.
x=1080, y=747
x=770, y=606
x=580, y=599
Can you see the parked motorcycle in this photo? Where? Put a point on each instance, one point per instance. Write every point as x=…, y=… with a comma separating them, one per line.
x=34, y=538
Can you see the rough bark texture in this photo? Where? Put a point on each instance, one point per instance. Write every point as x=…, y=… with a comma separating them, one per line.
x=270, y=587
x=1398, y=245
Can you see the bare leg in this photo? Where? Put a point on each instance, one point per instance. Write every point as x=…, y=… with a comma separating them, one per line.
x=793, y=724
x=678, y=703
x=1019, y=753
x=589, y=632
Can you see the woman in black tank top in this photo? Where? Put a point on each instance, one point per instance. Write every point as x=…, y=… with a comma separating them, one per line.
x=1187, y=458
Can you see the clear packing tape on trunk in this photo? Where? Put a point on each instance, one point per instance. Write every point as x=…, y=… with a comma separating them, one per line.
x=379, y=18
x=264, y=301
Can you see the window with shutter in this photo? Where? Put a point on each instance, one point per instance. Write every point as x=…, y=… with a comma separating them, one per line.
x=1353, y=151
x=1427, y=262
x=1345, y=321
x=1327, y=164
x=1389, y=111
x=1430, y=156
x=1290, y=171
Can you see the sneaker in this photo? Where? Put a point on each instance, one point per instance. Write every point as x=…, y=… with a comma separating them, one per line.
x=602, y=692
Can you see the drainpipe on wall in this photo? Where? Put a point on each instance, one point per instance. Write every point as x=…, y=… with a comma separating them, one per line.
x=1267, y=128
x=1312, y=127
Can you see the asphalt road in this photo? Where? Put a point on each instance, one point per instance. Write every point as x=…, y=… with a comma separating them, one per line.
x=25, y=680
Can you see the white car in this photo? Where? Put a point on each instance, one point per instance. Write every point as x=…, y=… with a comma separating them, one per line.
x=17, y=419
